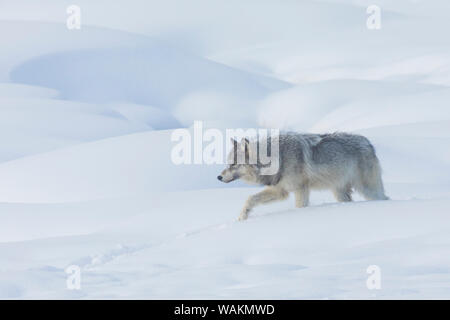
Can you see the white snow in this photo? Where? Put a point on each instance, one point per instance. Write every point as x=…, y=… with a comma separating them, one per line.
x=86, y=177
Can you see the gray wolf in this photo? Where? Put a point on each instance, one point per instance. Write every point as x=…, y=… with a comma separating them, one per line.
x=340, y=162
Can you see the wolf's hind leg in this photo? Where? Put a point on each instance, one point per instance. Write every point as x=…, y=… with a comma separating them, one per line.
x=343, y=194
x=265, y=196
x=302, y=197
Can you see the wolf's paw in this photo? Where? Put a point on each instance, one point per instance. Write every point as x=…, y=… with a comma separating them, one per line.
x=243, y=217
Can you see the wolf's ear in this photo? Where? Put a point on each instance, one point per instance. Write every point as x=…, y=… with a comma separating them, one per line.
x=245, y=145
x=245, y=142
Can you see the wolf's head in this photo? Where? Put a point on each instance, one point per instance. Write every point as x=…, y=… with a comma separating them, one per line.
x=239, y=163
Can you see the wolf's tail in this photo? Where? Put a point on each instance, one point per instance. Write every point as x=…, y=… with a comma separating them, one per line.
x=371, y=185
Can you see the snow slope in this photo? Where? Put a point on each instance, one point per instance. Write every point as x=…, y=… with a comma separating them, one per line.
x=86, y=177
x=130, y=249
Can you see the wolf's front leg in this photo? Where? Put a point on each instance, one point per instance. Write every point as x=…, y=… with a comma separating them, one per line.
x=267, y=195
